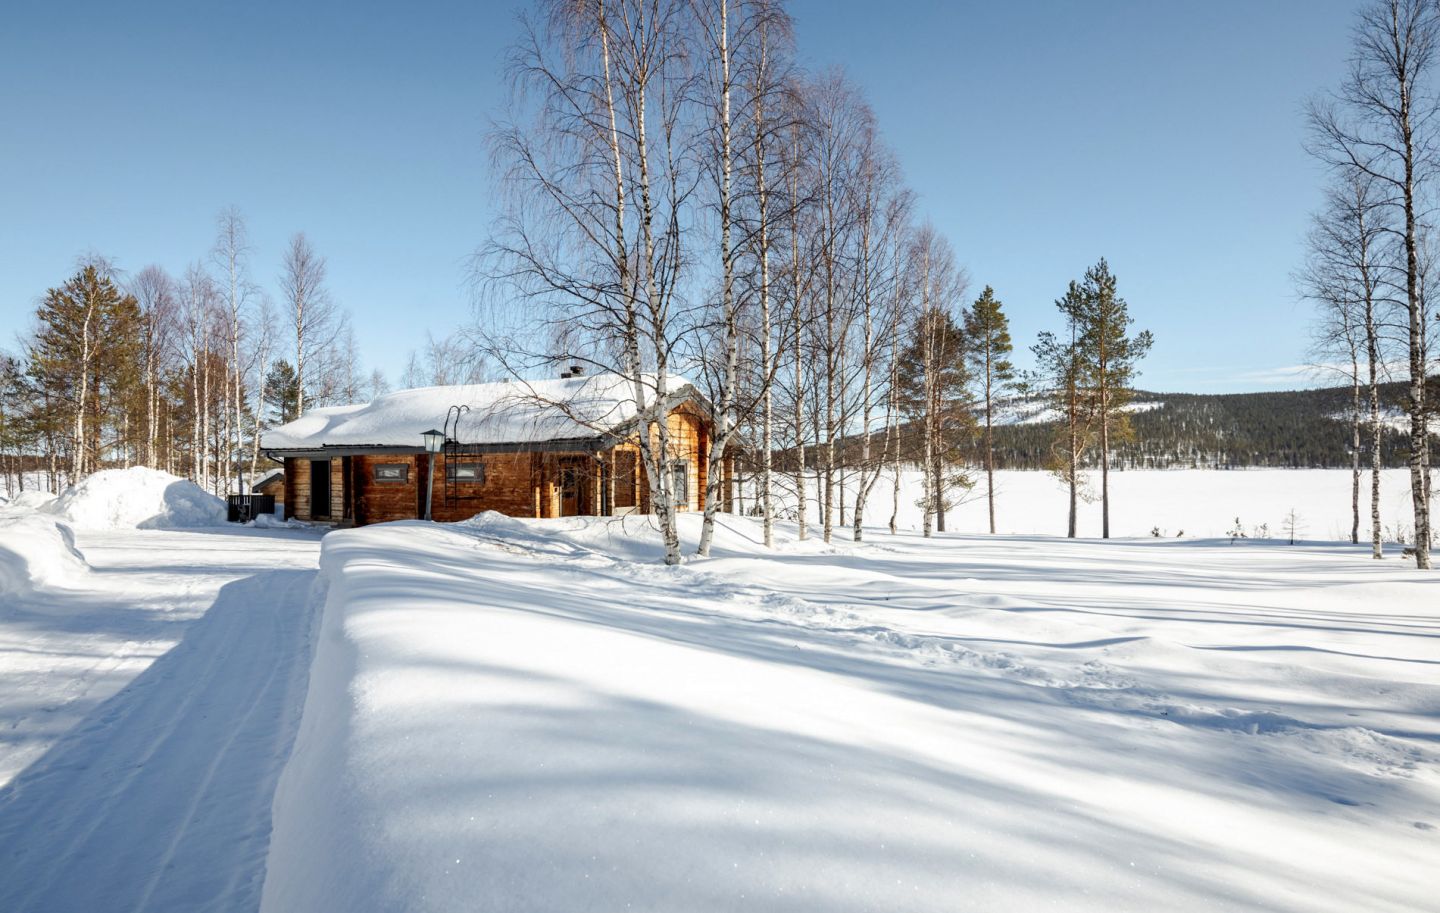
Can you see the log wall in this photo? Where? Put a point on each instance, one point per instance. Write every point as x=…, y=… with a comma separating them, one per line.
x=515, y=484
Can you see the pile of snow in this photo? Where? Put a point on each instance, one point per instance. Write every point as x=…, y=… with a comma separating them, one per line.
x=275, y=521
x=37, y=553
x=636, y=537
x=137, y=498
x=27, y=501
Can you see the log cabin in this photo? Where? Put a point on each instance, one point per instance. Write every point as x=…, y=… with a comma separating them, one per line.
x=552, y=448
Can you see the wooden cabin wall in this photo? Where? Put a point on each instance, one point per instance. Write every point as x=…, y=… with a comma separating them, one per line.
x=297, y=488
x=337, y=490
x=508, y=488
x=516, y=484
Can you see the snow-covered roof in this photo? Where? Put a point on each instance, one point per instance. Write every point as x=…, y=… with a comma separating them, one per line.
x=509, y=412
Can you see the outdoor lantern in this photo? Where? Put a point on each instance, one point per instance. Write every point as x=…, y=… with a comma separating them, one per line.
x=434, y=441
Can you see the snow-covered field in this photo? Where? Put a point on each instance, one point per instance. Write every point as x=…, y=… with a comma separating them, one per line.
x=535, y=715
x=1200, y=503
x=514, y=715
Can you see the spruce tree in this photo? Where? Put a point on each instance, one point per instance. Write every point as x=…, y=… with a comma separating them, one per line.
x=1110, y=355
x=987, y=332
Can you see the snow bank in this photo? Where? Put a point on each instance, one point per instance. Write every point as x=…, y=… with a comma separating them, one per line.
x=510, y=715
x=137, y=498
x=274, y=521
x=38, y=553
x=28, y=500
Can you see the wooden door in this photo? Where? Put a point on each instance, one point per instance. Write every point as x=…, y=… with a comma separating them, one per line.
x=572, y=485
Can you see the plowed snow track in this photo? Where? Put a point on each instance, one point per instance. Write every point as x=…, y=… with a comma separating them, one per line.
x=156, y=796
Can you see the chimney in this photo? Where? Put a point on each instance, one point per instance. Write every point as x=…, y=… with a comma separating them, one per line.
x=577, y=370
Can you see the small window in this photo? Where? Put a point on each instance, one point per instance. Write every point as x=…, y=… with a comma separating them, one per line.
x=680, y=472
x=392, y=472
x=465, y=472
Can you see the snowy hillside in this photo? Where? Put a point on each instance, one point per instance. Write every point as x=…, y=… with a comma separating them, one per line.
x=513, y=715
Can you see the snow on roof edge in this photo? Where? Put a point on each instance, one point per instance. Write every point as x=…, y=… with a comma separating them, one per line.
x=515, y=412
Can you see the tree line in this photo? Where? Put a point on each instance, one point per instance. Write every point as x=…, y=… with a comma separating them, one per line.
x=683, y=199
x=183, y=373
x=1292, y=429
x=1372, y=248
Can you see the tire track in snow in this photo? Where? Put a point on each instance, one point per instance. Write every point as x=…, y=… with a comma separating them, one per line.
x=160, y=799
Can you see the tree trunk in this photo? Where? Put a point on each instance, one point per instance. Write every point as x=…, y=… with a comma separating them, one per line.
x=990, y=436
x=725, y=402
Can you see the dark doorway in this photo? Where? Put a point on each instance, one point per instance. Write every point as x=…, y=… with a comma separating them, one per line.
x=319, y=489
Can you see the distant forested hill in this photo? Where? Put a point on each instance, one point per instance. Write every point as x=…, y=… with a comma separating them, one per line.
x=1293, y=429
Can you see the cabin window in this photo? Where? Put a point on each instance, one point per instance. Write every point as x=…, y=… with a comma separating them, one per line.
x=465, y=472
x=391, y=472
x=680, y=473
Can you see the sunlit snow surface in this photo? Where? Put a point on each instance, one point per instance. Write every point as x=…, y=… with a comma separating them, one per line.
x=523, y=715
x=516, y=715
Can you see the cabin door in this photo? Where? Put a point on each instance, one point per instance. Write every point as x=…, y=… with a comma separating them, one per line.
x=319, y=489
x=572, y=486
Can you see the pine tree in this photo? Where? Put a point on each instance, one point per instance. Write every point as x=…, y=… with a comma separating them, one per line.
x=86, y=353
x=1060, y=380
x=933, y=393
x=1110, y=356
x=282, y=392
x=987, y=330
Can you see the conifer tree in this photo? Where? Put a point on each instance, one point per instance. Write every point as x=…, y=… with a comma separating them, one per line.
x=1110, y=355
x=933, y=386
x=282, y=392
x=987, y=330
x=85, y=352
x=1061, y=381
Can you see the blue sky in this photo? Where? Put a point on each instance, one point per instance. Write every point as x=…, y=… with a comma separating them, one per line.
x=1038, y=135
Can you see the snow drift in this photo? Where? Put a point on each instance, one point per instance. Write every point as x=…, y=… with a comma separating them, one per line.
x=28, y=500
x=37, y=553
x=508, y=714
x=137, y=498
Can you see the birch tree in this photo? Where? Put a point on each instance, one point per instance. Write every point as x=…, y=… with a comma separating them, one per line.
x=600, y=174
x=310, y=310
x=230, y=254
x=1381, y=123
x=155, y=292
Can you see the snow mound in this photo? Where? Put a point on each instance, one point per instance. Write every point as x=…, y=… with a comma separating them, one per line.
x=272, y=521
x=37, y=553
x=137, y=498
x=27, y=500
x=637, y=537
